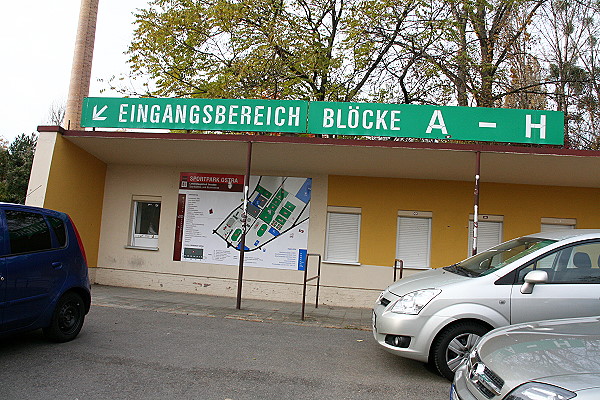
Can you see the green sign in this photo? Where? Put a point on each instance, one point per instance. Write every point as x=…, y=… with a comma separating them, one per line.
x=437, y=122
x=196, y=114
x=363, y=119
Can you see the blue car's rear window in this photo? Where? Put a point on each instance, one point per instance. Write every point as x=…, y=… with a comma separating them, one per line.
x=27, y=232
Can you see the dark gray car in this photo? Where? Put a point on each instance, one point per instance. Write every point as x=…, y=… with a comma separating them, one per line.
x=548, y=360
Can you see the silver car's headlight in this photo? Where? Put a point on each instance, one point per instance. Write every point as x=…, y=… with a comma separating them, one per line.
x=413, y=302
x=539, y=391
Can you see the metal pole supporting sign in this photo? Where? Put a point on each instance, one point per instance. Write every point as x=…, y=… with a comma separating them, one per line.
x=244, y=226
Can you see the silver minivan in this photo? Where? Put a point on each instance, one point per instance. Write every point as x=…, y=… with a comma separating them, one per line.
x=437, y=316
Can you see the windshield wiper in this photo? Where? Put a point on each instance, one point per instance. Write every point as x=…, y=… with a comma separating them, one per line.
x=460, y=270
x=453, y=268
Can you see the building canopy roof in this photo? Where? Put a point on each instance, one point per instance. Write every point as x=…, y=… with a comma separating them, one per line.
x=294, y=155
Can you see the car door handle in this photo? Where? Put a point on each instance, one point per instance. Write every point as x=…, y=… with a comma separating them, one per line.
x=57, y=265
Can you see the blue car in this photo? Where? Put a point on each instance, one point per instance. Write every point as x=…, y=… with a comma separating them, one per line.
x=44, y=280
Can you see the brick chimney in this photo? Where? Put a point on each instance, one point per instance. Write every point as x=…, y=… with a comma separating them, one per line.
x=81, y=70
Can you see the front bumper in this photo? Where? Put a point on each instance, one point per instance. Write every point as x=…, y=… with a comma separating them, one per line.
x=419, y=329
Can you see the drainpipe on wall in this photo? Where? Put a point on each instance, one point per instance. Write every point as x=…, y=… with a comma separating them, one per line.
x=476, y=201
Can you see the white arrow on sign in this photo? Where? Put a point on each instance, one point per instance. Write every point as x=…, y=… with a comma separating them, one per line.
x=96, y=115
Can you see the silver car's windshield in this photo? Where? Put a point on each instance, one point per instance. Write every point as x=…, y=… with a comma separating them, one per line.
x=497, y=257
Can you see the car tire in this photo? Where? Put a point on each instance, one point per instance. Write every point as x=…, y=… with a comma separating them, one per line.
x=453, y=345
x=67, y=319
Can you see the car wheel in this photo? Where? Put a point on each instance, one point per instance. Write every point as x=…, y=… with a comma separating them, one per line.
x=452, y=346
x=67, y=319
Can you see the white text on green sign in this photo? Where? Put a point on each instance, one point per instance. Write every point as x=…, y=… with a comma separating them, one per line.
x=437, y=122
x=294, y=116
x=196, y=114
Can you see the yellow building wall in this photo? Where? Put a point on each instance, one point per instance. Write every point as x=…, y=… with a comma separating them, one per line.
x=523, y=206
x=76, y=186
x=451, y=203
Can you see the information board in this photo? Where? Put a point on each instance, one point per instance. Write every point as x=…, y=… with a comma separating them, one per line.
x=210, y=220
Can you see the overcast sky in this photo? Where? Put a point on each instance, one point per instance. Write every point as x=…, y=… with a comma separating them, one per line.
x=36, y=52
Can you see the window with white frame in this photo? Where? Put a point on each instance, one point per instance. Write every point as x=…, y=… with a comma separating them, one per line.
x=145, y=222
x=343, y=235
x=413, y=238
x=489, y=232
x=557, y=224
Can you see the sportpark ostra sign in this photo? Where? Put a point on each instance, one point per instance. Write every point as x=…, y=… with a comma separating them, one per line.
x=317, y=117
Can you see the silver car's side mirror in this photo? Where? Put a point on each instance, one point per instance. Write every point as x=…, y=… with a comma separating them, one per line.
x=533, y=278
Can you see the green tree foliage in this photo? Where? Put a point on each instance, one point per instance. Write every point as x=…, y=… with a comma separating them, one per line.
x=478, y=39
x=415, y=51
x=570, y=31
x=315, y=50
x=487, y=53
x=15, y=168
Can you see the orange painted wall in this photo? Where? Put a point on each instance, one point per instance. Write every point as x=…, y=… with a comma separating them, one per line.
x=451, y=202
x=76, y=186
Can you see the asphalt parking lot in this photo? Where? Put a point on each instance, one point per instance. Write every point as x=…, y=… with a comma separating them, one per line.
x=154, y=345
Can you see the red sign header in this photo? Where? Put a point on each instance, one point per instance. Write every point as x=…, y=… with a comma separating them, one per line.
x=212, y=182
